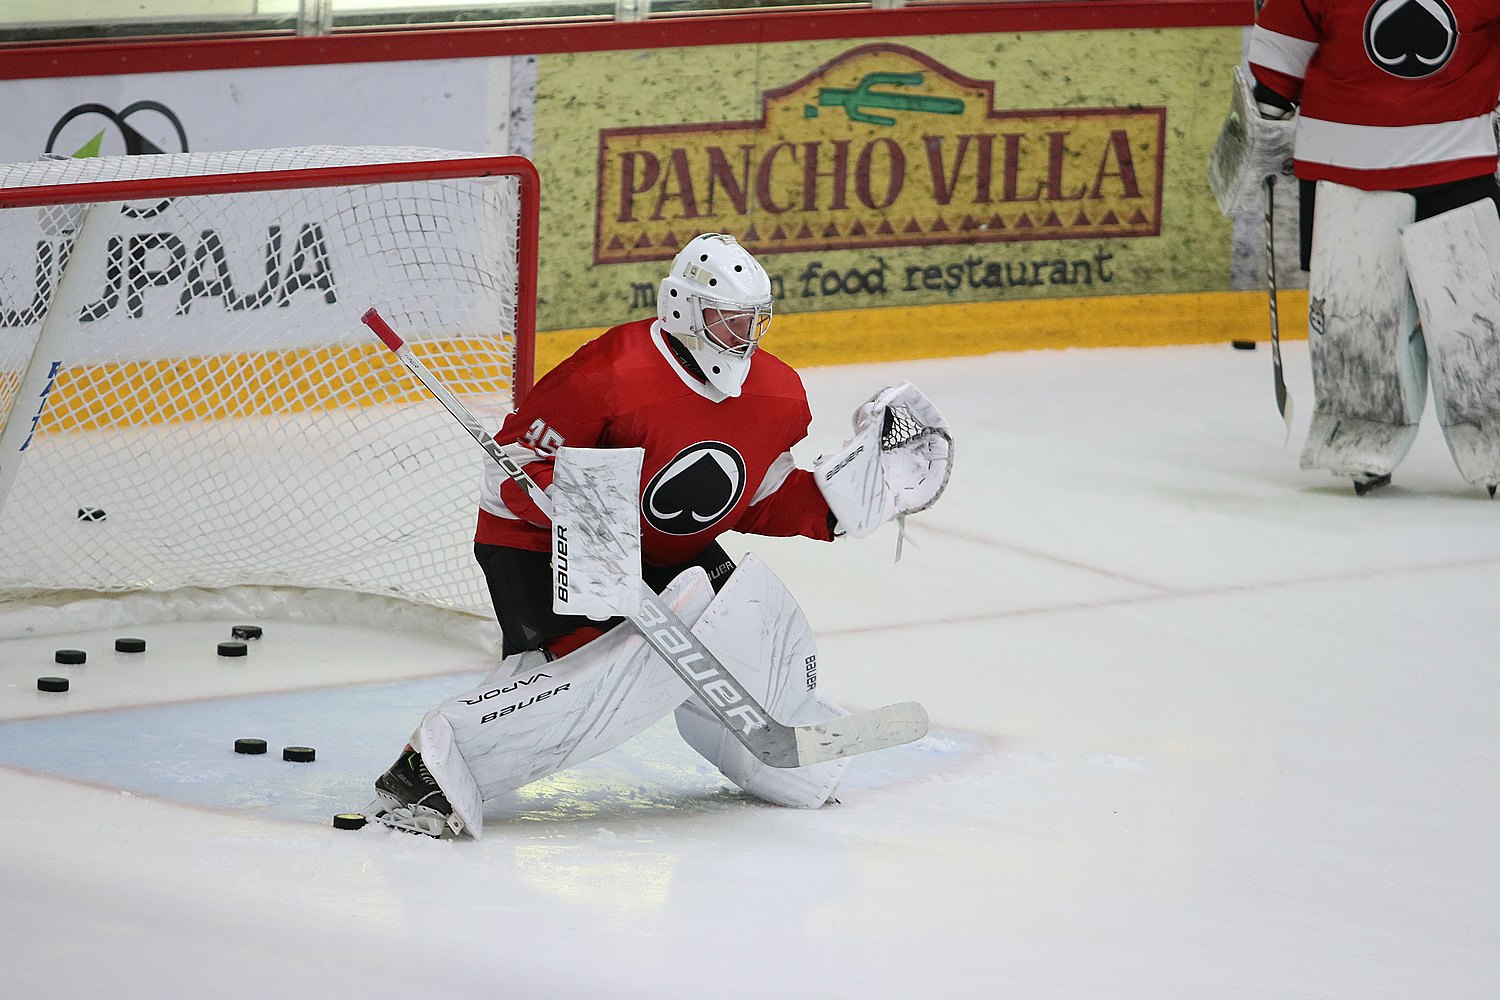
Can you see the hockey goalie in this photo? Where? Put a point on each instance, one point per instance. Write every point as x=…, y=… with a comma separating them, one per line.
x=1385, y=111
x=624, y=465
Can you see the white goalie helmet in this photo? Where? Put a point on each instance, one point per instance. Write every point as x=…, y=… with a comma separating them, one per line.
x=716, y=300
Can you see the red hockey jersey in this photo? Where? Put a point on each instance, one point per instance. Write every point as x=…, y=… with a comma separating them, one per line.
x=1394, y=93
x=709, y=466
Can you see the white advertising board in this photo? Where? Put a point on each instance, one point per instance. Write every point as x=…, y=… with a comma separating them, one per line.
x=200, y=282
x=460, y=104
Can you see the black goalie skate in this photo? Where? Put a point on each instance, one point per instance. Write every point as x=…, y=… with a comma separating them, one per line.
x=407, y=798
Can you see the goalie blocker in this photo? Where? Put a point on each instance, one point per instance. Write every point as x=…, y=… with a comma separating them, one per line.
x=1253, y=144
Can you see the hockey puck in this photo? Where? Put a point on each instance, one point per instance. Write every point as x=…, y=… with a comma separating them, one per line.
x=249, y=746
x=1242, y=345
x=349, y=821
x=70, y=656
x=299, y=755
x=233, y=648
x=245, y=631
x=51, y=683
x=128, y=645
x=91, y=514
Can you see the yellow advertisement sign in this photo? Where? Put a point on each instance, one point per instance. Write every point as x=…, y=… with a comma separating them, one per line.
x=881, y=147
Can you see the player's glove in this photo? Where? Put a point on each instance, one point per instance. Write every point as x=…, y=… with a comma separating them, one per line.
x=897, y=463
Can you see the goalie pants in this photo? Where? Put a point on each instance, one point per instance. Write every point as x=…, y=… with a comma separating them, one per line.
x=520, y=585
x=1431, y=201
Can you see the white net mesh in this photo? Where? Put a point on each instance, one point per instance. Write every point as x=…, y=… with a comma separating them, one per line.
x=195, y=368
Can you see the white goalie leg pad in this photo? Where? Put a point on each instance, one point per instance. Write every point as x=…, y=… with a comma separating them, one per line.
x=763, y=639
x=531, y=718
x=434, y=741
x=445, y=762
x=1249, y=149
x=1368, y=359
x=795, y=787
x=897, y=463
x=1454, y=263
x=596, y=532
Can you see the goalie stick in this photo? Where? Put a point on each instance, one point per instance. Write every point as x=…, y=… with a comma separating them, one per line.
x=1278, y=377
x=1268, y=228
x=774, y=743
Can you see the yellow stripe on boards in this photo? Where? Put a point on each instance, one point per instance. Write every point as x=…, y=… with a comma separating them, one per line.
x=226, y=386
x=853, y=336
x=280, y=382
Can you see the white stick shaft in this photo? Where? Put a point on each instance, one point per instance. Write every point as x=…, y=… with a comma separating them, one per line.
x=462, y=413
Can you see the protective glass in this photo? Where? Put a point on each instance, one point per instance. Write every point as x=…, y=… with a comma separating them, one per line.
x=734, y=329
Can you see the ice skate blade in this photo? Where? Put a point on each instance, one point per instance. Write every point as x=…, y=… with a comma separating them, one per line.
x=1366, y=484
x=391, y=813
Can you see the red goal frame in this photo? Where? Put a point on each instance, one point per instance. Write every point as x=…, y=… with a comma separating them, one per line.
x=519, y=167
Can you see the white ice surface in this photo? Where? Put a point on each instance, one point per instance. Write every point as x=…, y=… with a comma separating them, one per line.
x=1206, y=727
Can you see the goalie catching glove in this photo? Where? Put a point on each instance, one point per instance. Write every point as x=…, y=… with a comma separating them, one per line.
x=897, y=462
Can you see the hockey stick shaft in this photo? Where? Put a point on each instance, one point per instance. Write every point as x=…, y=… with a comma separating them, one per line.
x=1278, y=375
x=770, y=741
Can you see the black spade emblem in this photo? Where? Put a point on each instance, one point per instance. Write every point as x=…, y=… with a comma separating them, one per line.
x=1410, y=38
x=695, y=489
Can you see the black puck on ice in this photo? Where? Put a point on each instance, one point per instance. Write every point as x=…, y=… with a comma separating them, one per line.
x=233, y=648
x=245, y=631
x=299, y=755
x=91, y=514
x=249, y=746
x=51, y=683
x=129, y=645
x=1242, y=345
x=349, y=821
x=70, y=656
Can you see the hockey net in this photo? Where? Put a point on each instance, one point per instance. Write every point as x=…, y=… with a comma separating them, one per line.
x=189, y=399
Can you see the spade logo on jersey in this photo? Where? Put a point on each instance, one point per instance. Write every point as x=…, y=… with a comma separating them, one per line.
x=1410, y=38
x=695, y=489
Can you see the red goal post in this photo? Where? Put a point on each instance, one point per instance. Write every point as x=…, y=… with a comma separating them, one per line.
x=188, y=398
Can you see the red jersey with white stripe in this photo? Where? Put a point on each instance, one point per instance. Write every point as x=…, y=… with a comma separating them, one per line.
x=710, y=466
x=1394, y=93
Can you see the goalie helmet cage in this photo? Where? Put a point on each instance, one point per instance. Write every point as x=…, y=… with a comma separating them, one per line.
x=189, y=399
